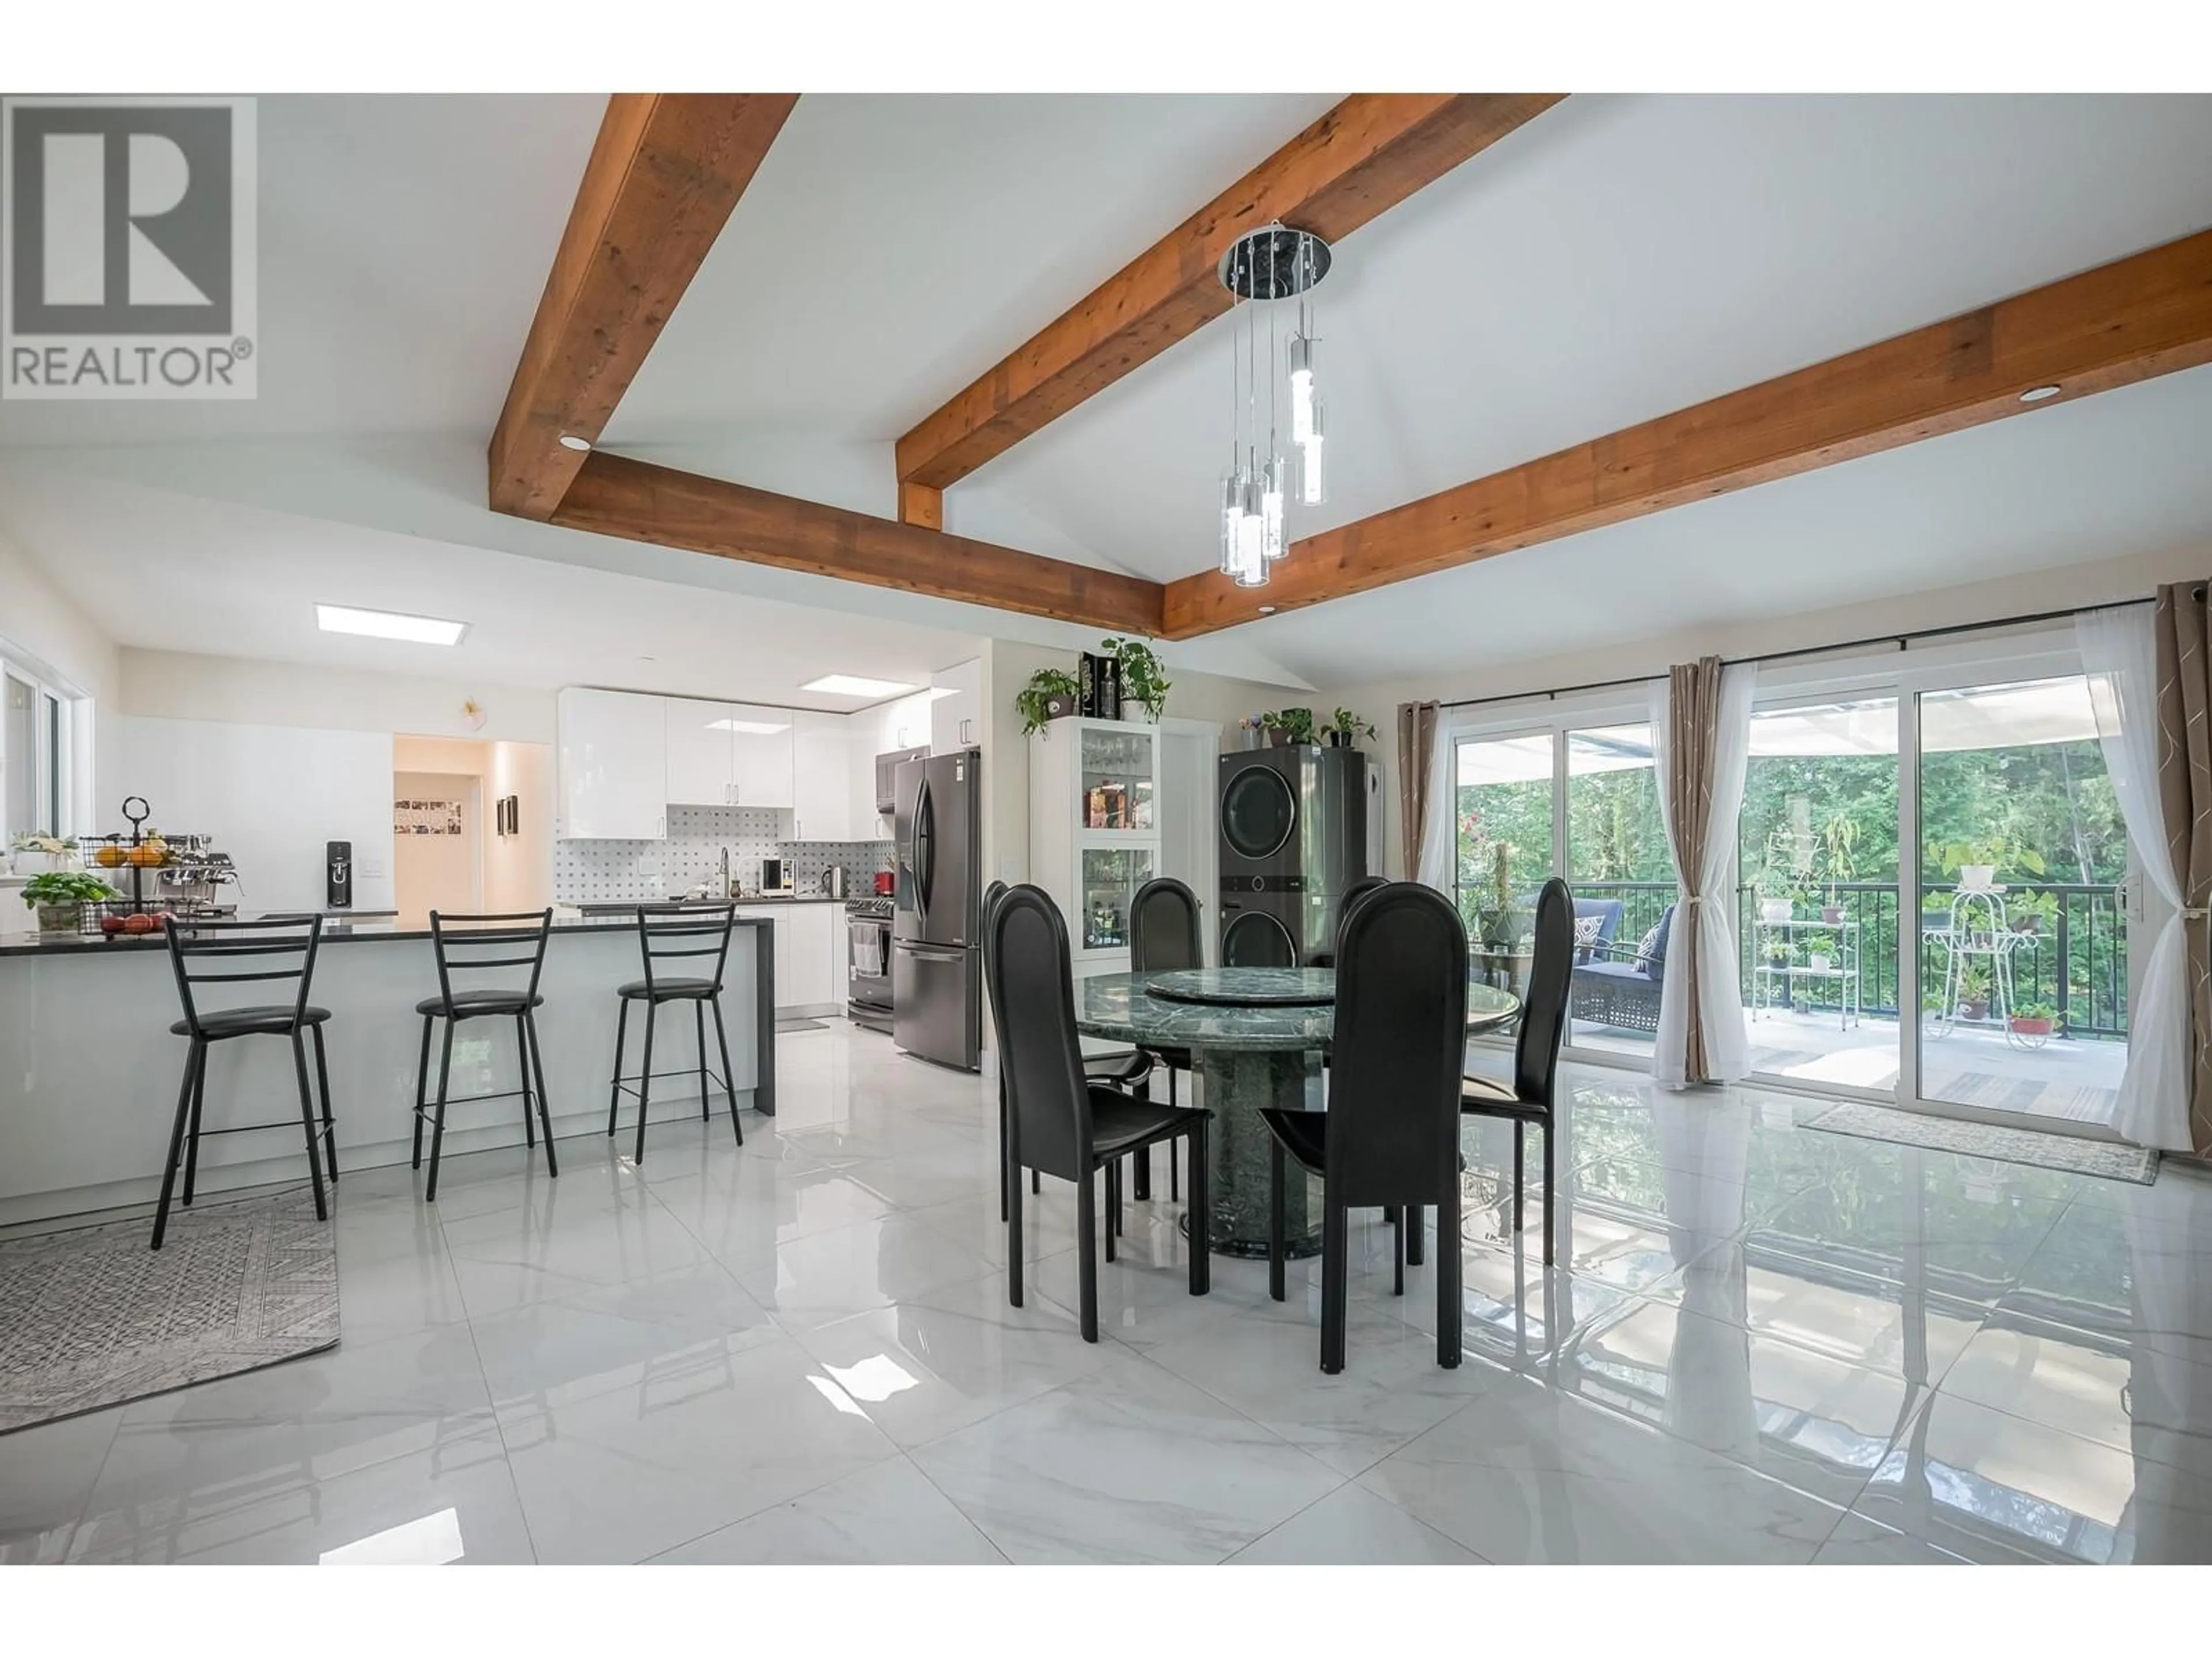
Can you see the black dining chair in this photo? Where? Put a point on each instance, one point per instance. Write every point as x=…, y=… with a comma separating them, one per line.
x=1358, y=890
x=1165, y=936
x=1531, y=1096
x=465, y=946
x=1058, y=1120
x=1390, y=1136
x=273, y=952
x=681, y=934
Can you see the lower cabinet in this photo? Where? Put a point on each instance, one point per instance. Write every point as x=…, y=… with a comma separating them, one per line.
x=806, y=952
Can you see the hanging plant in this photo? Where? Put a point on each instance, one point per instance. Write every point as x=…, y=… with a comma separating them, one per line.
x=1142, y=675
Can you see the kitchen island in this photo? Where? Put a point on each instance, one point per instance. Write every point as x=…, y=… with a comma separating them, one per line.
x=88, y=1070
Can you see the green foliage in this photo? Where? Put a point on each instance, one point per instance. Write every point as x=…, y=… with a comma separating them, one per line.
x=65, y=887
x=1034, y=700
x=1297, y=722
x=1350, y=725
x=1142, y=675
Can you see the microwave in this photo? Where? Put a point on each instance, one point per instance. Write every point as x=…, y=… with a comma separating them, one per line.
x=887, y=767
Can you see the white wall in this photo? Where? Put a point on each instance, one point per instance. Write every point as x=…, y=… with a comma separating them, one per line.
x=270, y=796
x=2066, y=588
x=439, y=873
x=519, y=867
x=185, y=685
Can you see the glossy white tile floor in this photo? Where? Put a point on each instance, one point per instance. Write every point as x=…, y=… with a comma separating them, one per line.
x=1764, y=1344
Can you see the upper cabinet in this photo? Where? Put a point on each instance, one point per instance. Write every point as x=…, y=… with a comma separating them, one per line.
x=761, y=756
x=956, y=709
x=728, y=754
x=822, y=779
x=613, y=766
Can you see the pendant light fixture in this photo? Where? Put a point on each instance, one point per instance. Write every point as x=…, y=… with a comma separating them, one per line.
x=1267, y=270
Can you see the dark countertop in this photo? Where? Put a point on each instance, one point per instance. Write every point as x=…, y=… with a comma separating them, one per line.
x=629, y=907
x=337, y=929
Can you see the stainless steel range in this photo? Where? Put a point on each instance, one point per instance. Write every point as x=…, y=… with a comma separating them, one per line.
x=868, y=963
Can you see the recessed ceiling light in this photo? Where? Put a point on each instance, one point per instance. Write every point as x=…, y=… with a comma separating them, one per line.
x=570, y=441
x=2036, y=394
x=388, y=625
x=1267, y=610
x=762, y=727
x=852, y=685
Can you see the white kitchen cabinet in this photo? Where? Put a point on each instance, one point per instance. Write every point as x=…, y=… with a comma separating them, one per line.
x=822, y=779
x=760, y=756
x=613, y=766
x=808, y=950
x=956, y=709
x=699, y=750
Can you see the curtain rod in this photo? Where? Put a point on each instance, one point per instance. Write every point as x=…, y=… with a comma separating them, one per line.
x=1902, y=641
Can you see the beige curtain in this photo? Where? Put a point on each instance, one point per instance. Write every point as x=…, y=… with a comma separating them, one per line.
x=1417, y=747
x=1693, y=705
x=2184, y=798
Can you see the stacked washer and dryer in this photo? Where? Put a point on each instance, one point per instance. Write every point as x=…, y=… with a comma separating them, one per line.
x=1298, y=826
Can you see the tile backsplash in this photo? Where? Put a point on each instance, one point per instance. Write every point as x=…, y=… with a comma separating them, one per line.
x=641, y=871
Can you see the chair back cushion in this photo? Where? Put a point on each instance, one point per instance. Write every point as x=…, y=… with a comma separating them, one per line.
x=1025, y=970
x=1544, y=1009
x=1591, y=943
x=1652, y=955
x=1163, y=930
x=1399, y=1049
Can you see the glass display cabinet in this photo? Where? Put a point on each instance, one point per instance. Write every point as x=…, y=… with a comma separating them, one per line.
x=1094, y=829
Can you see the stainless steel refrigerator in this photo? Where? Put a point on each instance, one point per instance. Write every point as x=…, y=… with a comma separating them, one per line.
x=937, y=965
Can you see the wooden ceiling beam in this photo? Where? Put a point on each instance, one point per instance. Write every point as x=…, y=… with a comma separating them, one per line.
x=2138, y=317
x=665, y=174
x=613, y=495
x=1365, y=155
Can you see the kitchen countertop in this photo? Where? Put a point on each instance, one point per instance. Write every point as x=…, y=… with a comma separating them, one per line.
x=335, y=930
x=629, y=907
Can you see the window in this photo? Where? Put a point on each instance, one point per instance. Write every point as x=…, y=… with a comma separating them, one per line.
x=36, y=728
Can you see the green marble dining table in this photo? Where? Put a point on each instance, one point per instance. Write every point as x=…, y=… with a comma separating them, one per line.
x=1258, y=1035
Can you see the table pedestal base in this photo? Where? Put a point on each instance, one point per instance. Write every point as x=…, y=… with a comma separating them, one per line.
x=1236, y=1085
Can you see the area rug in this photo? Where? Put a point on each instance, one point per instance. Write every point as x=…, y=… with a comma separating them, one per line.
x=91, y=1318
x=2102, y=1159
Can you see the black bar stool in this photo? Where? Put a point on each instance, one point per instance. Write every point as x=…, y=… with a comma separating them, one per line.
x=666, y=933
x=473, y=945
x=275, y=951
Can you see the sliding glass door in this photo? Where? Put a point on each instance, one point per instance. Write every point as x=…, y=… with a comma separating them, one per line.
x=2023, y=927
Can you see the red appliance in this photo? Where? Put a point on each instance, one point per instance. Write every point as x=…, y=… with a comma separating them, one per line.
x=884, y=878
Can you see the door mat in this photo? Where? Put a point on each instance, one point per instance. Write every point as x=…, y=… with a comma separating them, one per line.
x=2108, y=1160
x=92, y=1317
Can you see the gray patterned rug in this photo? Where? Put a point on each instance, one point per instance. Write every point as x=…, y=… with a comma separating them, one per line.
x=2109, y=1160
x=91, y=1318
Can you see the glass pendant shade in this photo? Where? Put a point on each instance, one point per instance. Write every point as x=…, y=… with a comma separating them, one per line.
x=1271, y=508
x=1302, y=389
x=1251, y=538
x=1313, y=488
x=1232, y=512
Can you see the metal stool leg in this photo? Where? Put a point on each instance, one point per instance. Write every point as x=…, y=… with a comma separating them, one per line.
x=729, y=1088
x=421, y=1093
x=522, y=1076
x=438, y=1127
x=699, y=1030
x=308, y=1122
x=614, y=1088
x=330, y=1124
x=192, y=1130
x=645, y=1080
x=194, y=1059
x=537, y=1071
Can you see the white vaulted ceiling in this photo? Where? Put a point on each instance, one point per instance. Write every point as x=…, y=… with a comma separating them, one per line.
x=1616, y=258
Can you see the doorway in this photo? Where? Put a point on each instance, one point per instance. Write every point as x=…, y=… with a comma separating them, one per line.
x=437, y=848
x=1189, y=775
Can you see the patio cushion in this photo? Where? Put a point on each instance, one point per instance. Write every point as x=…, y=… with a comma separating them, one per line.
x=1652, y=953
x=1624, y=970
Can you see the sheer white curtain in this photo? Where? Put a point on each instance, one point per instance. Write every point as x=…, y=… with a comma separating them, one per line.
x=1440, y=829
x=2119, y=653
x=1705, y=904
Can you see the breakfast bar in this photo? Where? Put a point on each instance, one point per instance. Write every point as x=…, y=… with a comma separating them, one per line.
x=88, y=1070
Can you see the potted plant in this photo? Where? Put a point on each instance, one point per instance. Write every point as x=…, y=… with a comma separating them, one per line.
x=2033, y=1019
x=1973, y=992
x=1144, y=683
x=1975, y=863
x=1777, y=883
x=1818, y=961
x=1050, y=695
x=59, y=897
x=2032, y=912
x=1285, y=726
x=1839, y=839
x=33, y=852
x=1344, y=729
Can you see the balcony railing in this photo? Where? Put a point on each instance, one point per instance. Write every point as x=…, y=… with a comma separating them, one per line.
x=2076, y=962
